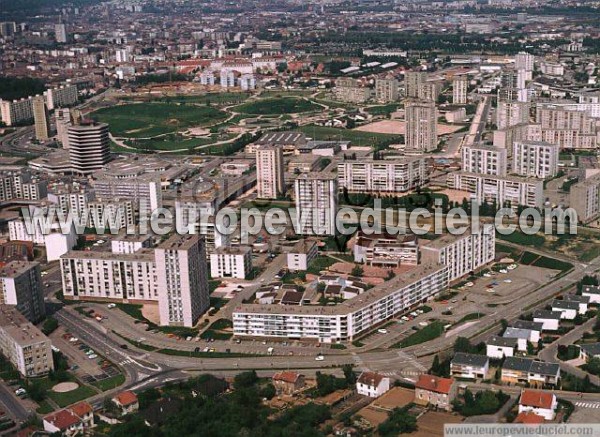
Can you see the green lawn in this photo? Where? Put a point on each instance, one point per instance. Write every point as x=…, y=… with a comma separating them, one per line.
x=145, y=120
x=470, y=317
x=320, y=263
x=79, y=394
x=359, y=138
x=283, y=105
x=110, y=383
x=210, y=98
x=432, y=331
x=173, y=142
x=383, y=109
x=44, y=407
x=535, y=240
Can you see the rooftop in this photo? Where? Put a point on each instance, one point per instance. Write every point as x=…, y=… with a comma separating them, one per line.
x=537, y=399
x=434, y=383
x=463, y=359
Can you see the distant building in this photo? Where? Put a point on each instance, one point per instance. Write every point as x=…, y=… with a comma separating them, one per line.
x=421, y=126
x=270, y=182
x=413, y=80
x=302, y=254
x=386, y=90
x=231, y=262
x=484, y=160
x=64, y=96
x=60, y=33
x=385, y=250
x=16, y=112
x=350, y=90
x=247, y=82
x=535, y=159
x=459, y=90
x=41, y=119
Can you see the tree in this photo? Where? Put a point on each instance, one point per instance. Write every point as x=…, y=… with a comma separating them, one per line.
x=462, y=344
x=357, y=271
x=268, y=391
x=49, y=326
x=399, y=421
x=435, y=366
x=349, y=374
x=245, y=379
x=593, y=366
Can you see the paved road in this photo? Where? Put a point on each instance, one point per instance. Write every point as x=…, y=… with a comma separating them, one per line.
x=12, y=404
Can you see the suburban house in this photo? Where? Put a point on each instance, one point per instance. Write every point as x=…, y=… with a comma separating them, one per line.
x=534, y=328
x=541, y=373
x=583, y=302
x=515, y=370
x=469, y=366
x=435, y=391
x=521, y=335
x=71, y=421
x=550, y=320
x=542, y=403
x=288, y=382
x=127, y=402
x=589, y=351
x=372, y=384
x=500, y=347
x=568, y=310
x=593, y=292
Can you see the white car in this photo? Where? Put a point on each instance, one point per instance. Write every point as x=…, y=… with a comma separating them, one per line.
x=406, y=319
x=512, y=267
x=110, y=306
x=93, y=356
x=20, y=391
x=423, y=323
x=382, y=331
x=508, y=281
x=503, y=271
x=73, y=339
x=487, y=275
x=469, y=284
x=319, y=358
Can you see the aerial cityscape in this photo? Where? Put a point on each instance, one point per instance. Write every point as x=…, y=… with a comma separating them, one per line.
x=273, y=218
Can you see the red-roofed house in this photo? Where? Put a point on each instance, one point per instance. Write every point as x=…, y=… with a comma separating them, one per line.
x=435, y=391
x=542, y=403
x=529, y=418
x=127, y=401
x=372, y=384
x=288, y=382
x=71, y=420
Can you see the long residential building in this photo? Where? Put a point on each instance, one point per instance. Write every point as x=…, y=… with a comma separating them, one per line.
x=535, y=159
x=24, y=345
x=16, y=112
x=143, y=190
x=174, y=274
x=386, y=250
x=61, y=97
x=510, y=113
x=343, y=322
x=383, y=176
x=17, y=183
x=464, y=253
x=501, y=190
x=484, y=160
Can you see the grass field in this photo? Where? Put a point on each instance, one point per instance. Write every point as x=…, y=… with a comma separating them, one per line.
x=333, y=133
x=110, y=383
x=79, y=394
x=211, y=99
x=172, y=142
x=283, y=105
x=428, y=333
x=145, y=120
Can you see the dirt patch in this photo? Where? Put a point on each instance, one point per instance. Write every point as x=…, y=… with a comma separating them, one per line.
x=150, y=311
x=373, y=415
x=398, y=127
x=65, y=387
x=396, y=397
x=431, y=424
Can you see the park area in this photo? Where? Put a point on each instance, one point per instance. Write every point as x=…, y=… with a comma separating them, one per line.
x=398, y=127
x=147, y=120
x=276, y=106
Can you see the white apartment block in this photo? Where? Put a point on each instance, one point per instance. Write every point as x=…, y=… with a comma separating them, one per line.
x=65, y=95
x=89, y=147
x=21, y=286
x=109, y=214
x=17, y=111
x=56, y=242
x=63, y=122
x=386, y=90
x=207, y=77
x=315, y=196
x=349, y=90
x=535, y=159
x=16, y=183
x=270, y=182
x=511, y=114
x=524, y=61
x=552, y=68
x=174, y=274
x=382, y=176
x=413, y=81
x=227, y=79
x=247, y=82
x=143, y=190
x=504, y=138
x=24, y=345
x=464, y=253
x=584, y=198
x=343, y=322
x=302, y=254
x=231, y=262
x=501, y=190
x=386, y=250
x=460, y=85
x=421, y=126
x=484, y=160
x=70, y=198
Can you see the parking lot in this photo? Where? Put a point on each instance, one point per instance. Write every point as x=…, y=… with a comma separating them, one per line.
x=87, y=364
